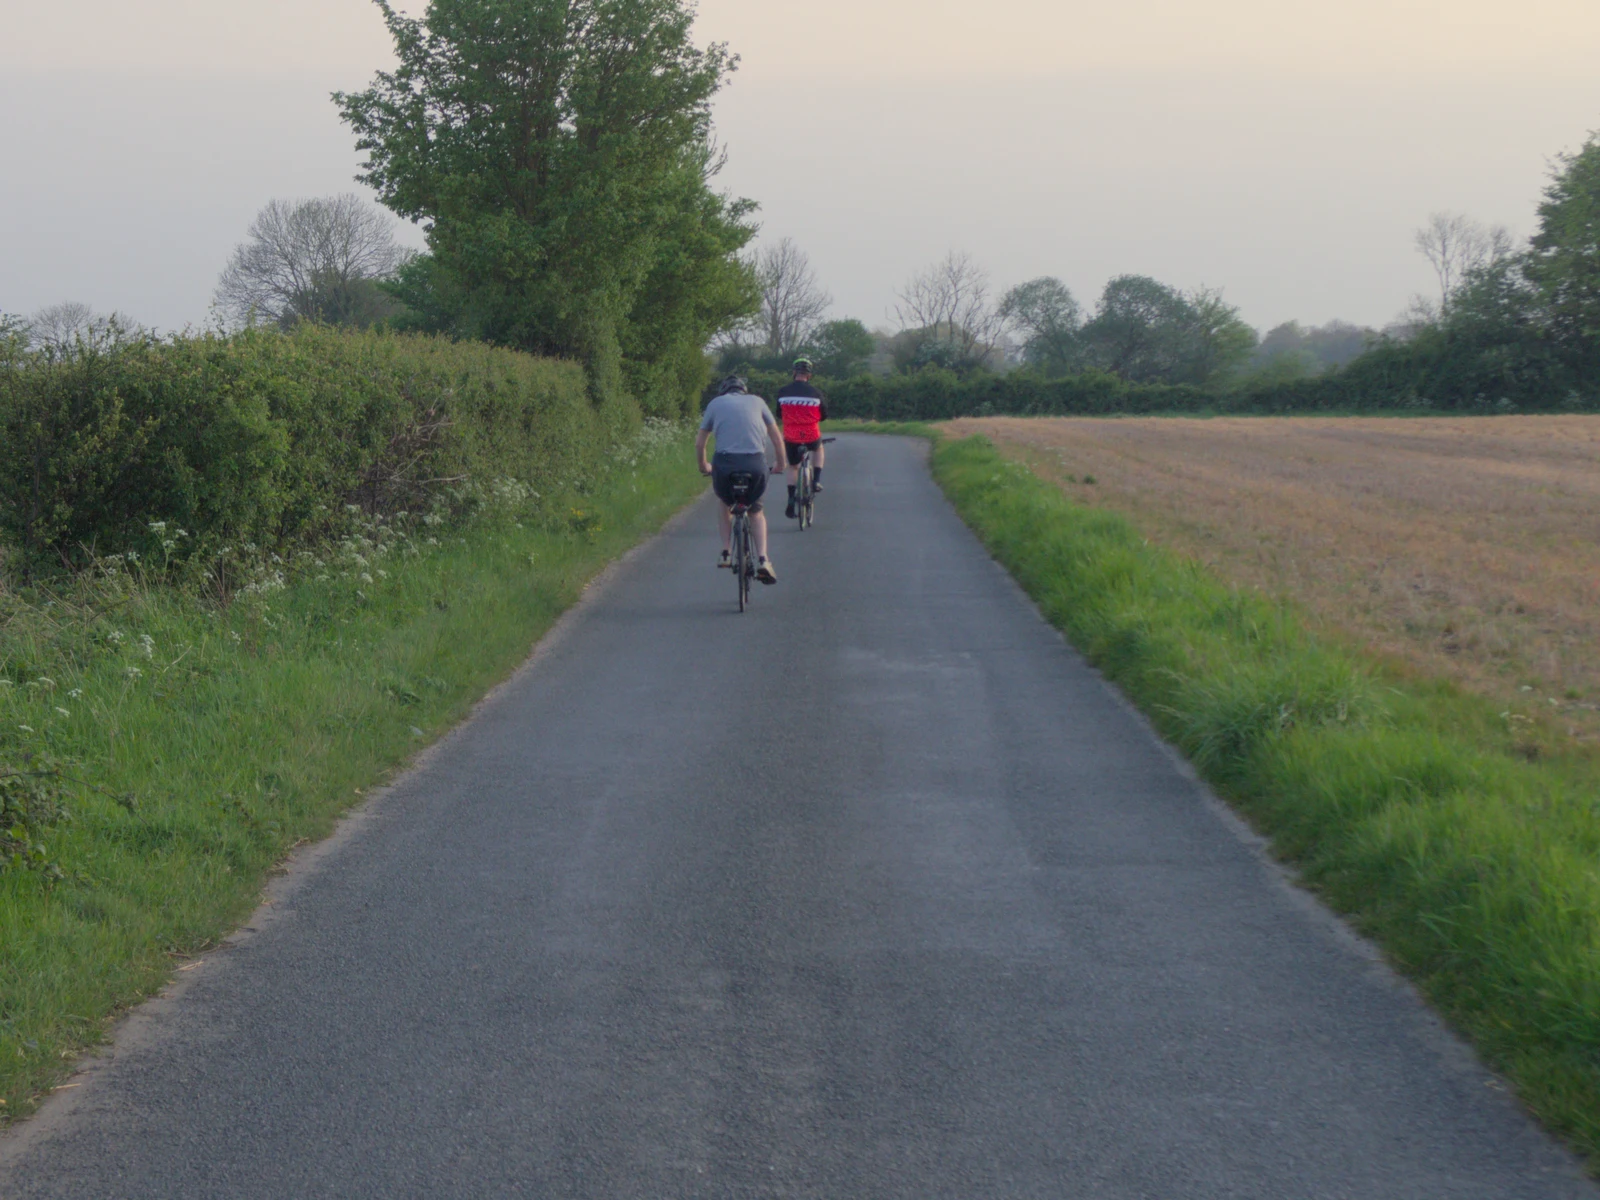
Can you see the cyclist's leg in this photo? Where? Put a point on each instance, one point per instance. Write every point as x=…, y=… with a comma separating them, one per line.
x=758, y=532
x=725, y=526
x=765, y=571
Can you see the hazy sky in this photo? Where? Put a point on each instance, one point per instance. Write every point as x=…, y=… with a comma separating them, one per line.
x=1281, y=151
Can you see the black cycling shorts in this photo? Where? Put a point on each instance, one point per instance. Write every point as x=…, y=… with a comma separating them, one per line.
x=795, y=449
x=725, y=466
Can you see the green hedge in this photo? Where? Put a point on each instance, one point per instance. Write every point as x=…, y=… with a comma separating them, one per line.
x=1434, y=373
x=264, y=437
x=934, y=394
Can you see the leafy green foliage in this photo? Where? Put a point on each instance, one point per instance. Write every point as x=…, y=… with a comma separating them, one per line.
x=33, y=792
x=1146, y=332
x=842, y=348
x=264, y=438
x=559, y=153
x=1049, y=319
x=1564, y=263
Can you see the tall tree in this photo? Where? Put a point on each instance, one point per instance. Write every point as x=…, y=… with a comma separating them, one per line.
x=1148, y=332
x=792, y=301
x=842, y=348
x=1047, y=315
x=316, y=260
x=58, y=326
x=1564, y=262
x=559, y=153
x=946, y=315
x=1455, y=245
x=1216, y=342
x=1137, y=329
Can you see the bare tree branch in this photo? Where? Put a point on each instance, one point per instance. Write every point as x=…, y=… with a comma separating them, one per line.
x=792, y=301
x=1455, y=245
x=309, y=259
x=950, y=301
x=62, y=327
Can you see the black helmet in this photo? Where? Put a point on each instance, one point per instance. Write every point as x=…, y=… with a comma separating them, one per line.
x=804, y=366
x=733, y=383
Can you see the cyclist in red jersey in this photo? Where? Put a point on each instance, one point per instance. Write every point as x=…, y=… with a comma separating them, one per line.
x=803, y=409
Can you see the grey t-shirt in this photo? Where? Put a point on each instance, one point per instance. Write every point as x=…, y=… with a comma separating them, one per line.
x=739, y=422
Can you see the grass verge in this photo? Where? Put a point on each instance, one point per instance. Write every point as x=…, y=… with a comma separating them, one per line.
x=1409, y=805
x=188, y=746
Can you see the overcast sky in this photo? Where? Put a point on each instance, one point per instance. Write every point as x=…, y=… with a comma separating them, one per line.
x=1282, y=151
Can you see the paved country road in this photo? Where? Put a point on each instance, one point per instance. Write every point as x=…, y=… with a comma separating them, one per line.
x=875, y=891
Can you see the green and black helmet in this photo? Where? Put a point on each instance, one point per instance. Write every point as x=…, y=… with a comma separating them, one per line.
x=804, y=366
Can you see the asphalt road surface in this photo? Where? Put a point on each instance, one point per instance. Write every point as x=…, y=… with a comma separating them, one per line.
x=874, y=891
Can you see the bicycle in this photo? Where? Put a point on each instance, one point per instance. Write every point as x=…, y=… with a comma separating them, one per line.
x=743, y=561
x=805, y=492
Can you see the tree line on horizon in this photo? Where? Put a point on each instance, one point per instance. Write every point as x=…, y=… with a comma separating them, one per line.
x=569, y=210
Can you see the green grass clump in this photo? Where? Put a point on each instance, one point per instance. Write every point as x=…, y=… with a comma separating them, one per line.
x=1451, y=834
x=189, y=744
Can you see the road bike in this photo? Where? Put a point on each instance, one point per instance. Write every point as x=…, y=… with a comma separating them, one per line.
x=740, y=485
x=805, y=487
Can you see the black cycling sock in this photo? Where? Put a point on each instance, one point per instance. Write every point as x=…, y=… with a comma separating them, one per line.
x=817, y=474
x=791, y=491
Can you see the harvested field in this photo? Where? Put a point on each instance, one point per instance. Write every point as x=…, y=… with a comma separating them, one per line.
x=1464, y=548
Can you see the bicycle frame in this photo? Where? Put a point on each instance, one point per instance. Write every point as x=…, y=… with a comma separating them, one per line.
x=741, y=550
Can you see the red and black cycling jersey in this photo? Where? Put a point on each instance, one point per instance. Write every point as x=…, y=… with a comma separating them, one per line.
x=804, y=409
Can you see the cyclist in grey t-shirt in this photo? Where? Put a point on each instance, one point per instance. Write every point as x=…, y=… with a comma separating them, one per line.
x=743, y=427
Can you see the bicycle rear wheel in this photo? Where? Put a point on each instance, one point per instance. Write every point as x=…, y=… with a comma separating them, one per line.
x=740, y=547
x=749, y=569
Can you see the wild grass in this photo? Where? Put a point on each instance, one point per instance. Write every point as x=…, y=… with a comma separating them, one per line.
x=1410, y=805
x=1456, y=546
x=197, y=743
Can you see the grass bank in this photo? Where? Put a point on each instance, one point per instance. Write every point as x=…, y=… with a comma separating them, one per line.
x=174, y=750
x=1410, y=805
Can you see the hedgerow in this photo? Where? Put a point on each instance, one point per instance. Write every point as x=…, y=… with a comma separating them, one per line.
x=1418, y=377
x=264, y=438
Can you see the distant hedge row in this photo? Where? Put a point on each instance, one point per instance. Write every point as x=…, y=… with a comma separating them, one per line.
x=935, y=395
x=263, y=437
x=1426, y=376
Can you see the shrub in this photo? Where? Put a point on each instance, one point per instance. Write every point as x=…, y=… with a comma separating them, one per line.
x=264, y=437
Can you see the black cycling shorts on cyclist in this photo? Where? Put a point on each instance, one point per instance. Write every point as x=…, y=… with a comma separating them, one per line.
x=742, y=426
x=804, y=409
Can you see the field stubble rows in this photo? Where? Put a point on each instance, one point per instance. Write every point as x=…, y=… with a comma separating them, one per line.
x=1463, y=548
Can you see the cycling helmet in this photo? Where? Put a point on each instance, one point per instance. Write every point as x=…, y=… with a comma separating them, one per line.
x=804, y=366
x=733, y=383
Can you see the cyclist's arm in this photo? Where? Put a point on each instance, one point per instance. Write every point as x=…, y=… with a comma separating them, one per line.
x=700, y=440
x=780, y=457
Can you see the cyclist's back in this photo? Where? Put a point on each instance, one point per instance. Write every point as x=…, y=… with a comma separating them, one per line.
x=804, y=408
x=743, y=427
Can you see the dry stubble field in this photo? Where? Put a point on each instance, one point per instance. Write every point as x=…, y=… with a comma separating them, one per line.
x=1465, y=547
